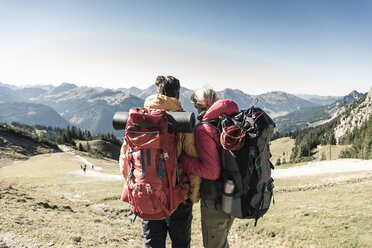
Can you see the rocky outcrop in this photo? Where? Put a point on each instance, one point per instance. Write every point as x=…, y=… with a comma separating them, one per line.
x=354, y=116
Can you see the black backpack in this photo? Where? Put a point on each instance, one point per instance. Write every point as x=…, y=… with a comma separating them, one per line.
x=245, y=185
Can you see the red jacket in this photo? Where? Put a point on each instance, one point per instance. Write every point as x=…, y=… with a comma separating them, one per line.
x=207, y=141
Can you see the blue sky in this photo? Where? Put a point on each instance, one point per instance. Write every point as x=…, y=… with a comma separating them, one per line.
x=315, y=47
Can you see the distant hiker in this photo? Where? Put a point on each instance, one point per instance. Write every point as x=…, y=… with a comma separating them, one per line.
x=81, y=166
x=215, y=223
x=92, y=166
x=233, y=162
x=85, y=168
x=179, y=223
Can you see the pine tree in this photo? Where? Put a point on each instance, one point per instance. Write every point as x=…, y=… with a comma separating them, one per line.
x=277, y=163
x=88, y=147
x=80, y=148
x=89, y=135
x=73, y=132
x=79, y=134
x=64, y=139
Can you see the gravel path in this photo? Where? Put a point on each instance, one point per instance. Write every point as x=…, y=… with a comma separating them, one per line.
x=324, y=167
x=93, y=173
x=98, y=176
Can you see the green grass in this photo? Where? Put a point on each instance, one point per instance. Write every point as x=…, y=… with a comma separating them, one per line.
x=280, y=146
x=284, y=145
x=331, y=152
x=331, y=215
x=105, y=148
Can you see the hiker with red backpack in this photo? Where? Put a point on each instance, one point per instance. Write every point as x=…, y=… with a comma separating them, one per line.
x=233, y=162
x=157, y=189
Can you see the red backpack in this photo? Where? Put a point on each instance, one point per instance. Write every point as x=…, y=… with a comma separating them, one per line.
x=152, y=187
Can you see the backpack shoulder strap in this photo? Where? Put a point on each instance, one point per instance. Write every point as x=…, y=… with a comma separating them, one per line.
x=215, y=123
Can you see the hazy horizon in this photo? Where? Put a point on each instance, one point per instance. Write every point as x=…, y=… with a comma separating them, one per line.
x=299, y=47
x=140, y=88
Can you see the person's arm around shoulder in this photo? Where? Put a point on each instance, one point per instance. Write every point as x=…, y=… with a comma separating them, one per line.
x=208, y=164
x=188, y=148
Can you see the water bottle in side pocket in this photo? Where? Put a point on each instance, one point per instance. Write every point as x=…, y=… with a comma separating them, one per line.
x=227, y=197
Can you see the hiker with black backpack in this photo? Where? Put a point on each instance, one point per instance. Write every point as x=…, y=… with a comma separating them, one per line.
x=215, y=223
x=157, y=189
x=234, y=163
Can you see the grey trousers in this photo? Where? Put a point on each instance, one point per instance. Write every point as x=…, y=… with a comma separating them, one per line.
x=215, y=225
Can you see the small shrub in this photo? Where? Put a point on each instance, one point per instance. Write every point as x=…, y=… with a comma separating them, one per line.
x=323, y=157
x=277, y=163
x=77, y=239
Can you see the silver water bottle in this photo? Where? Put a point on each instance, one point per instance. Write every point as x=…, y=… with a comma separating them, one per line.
x=227, y=197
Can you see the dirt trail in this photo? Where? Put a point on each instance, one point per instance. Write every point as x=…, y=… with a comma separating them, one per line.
x=324, y=167
x=309, y=169
x=98, y=175
x=94, y=169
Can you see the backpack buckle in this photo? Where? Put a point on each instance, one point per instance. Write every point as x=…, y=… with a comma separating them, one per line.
x=142, y=112
x=137, y=189
x=166, y=156
x=148, y=189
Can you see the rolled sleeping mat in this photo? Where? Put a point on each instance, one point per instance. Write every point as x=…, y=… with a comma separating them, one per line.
x=181, y=122
x=178, y=122
x=119, y=121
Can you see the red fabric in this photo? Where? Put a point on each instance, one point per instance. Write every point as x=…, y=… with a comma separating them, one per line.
x=223, y=106
x=140, y=135
x=147, y=131
x=207, y=141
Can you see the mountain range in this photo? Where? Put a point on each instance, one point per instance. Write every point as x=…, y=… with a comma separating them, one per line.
x=93, y=108
x=313, y=116
x=31, y=113
x=319, y=100
x=351, y=125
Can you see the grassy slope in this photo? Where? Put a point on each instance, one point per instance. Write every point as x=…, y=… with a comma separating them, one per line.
x=286, y=144
x=106, y=148
x=333, y=151
x=49, y=198
x=279, y=146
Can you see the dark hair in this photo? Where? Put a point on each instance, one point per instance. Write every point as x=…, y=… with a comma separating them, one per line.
x=169, y=85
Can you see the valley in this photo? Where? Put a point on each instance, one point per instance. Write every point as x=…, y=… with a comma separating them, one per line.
x=93, y=108
x=48, y=200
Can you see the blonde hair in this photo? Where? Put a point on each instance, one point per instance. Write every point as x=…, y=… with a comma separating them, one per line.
x=203, y=98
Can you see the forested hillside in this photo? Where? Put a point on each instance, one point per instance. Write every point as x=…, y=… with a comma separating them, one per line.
x=360, y=137
x=18, y=144
x=351, y=126
x=361, y=140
